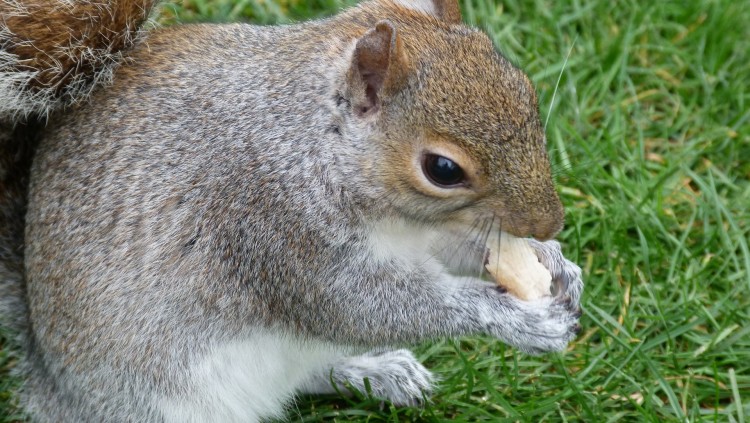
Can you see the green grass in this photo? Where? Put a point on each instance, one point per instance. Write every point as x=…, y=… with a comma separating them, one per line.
x=649, y=135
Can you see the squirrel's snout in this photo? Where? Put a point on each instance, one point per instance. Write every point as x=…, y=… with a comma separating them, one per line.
x=547, y=232
x=548, y=221
x=541, y=221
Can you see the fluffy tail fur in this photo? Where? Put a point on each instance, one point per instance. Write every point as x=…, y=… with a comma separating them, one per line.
x=52, y=54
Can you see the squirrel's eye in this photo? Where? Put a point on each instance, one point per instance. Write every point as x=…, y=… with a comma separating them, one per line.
x=442, y=171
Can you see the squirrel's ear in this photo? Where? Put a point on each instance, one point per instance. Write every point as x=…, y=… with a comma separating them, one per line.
x=379, y=67
x=447, y=10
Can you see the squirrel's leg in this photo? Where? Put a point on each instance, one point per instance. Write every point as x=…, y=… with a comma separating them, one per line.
x=396, y=376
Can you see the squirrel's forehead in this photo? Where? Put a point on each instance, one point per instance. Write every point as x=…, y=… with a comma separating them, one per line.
x=474, y=72
x=484, y=99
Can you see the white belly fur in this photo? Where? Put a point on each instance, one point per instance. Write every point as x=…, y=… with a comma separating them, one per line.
x=249, y=380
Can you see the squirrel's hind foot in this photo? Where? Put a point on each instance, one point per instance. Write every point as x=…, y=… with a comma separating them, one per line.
x=396, y=376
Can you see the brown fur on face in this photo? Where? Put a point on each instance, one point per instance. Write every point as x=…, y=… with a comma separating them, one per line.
x=463, y=91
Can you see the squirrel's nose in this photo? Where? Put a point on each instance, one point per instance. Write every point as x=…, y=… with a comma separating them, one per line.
x=546, y=233
x=541, y=221
x=548, y=222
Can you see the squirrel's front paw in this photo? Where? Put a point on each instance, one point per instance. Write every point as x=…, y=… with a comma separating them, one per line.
x=544, y=324
x=396, y=376
x=566, y=275
x=556, y=324
x=537, y=326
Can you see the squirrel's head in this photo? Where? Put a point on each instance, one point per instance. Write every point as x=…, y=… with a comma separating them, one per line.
x=458, y=136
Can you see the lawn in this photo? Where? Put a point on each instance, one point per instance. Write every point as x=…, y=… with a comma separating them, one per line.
x=647, y=106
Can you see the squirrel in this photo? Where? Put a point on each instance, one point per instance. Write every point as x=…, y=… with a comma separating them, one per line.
x=202, y=221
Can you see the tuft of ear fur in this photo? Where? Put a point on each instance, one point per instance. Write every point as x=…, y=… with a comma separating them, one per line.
x=446, y=10
x=54, y=52
x=379, y=66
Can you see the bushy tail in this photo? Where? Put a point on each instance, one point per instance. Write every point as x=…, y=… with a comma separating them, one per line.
x=52, y=53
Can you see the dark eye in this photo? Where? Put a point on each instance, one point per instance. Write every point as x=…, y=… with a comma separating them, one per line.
x=442, y=171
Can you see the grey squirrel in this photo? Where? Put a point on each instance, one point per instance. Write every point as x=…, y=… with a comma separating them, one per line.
x=201, y=221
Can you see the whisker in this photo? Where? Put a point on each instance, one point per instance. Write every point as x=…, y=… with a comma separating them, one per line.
x=557, y=85
x=484, y=242
x=469, y=243
x=499, y=240
x=458, y=246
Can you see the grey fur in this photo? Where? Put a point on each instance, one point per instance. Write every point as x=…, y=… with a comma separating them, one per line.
x=223, y=183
